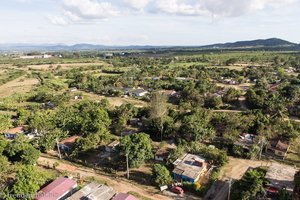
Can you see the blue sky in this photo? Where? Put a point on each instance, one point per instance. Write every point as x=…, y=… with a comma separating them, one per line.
x=147, y=22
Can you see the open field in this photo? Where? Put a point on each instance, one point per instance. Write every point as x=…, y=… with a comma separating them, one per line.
x=115, y=101
x=65, y=66
x=238, y=87
x=20, y=86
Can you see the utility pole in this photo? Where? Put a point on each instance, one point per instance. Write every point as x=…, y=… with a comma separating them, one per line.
x=229, y=188
x=58, y=150
x=261, y=147
x=161, y=132
x=127, y=164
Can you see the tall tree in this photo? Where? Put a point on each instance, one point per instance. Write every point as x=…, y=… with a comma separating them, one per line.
x=158, y=109
x=138, y=147
x=161, y=175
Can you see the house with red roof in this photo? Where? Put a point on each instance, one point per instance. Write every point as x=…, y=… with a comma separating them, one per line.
x=12, y=133
x=58, y=189
x=68, y=143
x=124, y=196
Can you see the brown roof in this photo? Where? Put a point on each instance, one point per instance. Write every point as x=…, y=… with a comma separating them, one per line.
x=162, y=153
x=114, y=143
x=69, y=142
x=282, y=146
x=168, y=92
x=15, y=130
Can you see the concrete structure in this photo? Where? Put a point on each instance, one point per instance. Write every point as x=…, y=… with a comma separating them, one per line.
x=93, y=191
x=58, y=189
x=281, y=176
x=189, y=168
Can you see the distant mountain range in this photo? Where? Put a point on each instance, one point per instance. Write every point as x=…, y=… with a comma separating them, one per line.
x=271, y=43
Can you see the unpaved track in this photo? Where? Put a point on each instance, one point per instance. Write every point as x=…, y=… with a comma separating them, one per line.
x=118, y=184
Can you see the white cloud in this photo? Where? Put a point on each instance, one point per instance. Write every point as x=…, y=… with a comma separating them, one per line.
x=57, y=20
x=137, y=4
x=218, y=8
x=231, y=8
x=89, y=9
x=179, y=7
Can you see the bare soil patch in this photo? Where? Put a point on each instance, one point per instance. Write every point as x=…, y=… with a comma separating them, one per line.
x=236, y=167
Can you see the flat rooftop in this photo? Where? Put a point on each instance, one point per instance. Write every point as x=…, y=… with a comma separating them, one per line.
x=281, y=176
x=189, y=165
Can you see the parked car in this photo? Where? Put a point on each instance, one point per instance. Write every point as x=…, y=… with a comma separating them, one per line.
x=177, y=190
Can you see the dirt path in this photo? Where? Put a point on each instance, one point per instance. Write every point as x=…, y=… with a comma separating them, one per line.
x=236, y=167
x=118, y=184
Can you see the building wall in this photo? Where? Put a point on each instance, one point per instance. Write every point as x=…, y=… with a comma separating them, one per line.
x=184, y=178
x=279, y=153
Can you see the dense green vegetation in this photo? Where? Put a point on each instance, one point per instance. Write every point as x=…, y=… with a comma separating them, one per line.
x=217, y=97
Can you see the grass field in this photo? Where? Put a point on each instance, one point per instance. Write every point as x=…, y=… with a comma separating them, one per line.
x=66, y=66
x=115, y=101
x=20, y=86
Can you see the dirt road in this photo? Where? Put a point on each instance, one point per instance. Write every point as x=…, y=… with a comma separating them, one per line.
x=120, y=185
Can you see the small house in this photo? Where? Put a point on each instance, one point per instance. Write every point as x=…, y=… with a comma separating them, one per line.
x=68, y=143
x=189, y=168
x=139, y=92
x=246, y=141
x=12, y=133
x=168, y=93
x=162, y=155
x=279, y=147
x=135, y=122
x=58, y=189
x=128, y=132
x=124, y=196
x=111, y=147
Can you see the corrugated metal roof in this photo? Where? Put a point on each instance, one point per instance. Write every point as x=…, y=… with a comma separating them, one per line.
x=93, y=191
x=124, y=196
x=57, y=189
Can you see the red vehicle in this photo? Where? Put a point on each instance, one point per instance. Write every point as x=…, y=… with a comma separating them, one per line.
x=177, y=190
